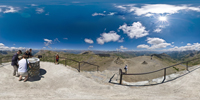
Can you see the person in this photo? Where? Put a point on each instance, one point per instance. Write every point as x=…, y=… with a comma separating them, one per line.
x=14, y=62
x=57, y=58
x=26, y=53
x=23, y=66
x=30, y=53
x=126, y=69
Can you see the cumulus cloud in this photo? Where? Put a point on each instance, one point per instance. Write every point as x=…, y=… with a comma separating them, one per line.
x=143, y=46
x=194, y=46
x=90, y=41
x=157, y=9
x=134, y=31
x=122, y=48
x=121, y=40
x=108, y=37
x=154, y=43
x=158, y=30
x=10, y=9
x=39, y=10
x=47, y=42
x=3, y=47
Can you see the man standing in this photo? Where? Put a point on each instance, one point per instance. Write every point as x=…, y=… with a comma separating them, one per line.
x=15, y=63
x=30, y=54
x=126, y=69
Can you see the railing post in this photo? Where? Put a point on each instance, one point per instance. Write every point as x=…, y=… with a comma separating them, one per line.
x=54, y=60
x=65, y=61
x=0, y=61
x=187, y=66
x=164, y=75
x=79, y=67
x=120, y=71
x=97, y=68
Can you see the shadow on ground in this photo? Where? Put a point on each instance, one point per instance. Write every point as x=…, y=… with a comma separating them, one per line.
x=37, y=78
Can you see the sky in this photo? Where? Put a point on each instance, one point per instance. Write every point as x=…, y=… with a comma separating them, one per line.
x=128, y=25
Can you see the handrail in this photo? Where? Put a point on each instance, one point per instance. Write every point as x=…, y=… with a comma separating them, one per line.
x=121, y=73
x=79, y=66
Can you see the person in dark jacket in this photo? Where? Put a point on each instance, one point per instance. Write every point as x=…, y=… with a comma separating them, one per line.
x=15, y=62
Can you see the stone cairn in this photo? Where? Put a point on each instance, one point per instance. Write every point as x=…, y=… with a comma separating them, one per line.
x=144, y=62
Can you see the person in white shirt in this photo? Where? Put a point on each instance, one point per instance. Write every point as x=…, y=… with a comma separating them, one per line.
x=126, y=68
x=22, y=70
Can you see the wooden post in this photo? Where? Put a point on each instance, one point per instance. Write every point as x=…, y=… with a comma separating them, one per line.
x=79, y=66
x=187, y=66
x=164, y=75
x=120, y=71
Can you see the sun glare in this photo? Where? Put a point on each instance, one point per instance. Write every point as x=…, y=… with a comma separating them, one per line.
x=162, y=18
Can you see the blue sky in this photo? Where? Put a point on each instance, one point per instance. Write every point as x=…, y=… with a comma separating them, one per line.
x=100, y=25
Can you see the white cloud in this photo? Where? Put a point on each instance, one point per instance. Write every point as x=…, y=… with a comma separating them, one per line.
x=112, y=13
x=98, y=14
x=136, y=30
x=123, y=48
x=121, y=40
x=149, y=15
x=10, y=9
x=56, y=40
x=155, y=43
x=158, y=30
x=47, y=42
x=47, y=13
x=104, y=14
x=90, y=41
x=172, y=42
x=107, y=37
x=65, y=38
x=194, y=46
x=143, y=46
x=189, y=44
x=157, y=9
x=34, y=5
x=90, y=47
x=39, y=10
x=3, y=47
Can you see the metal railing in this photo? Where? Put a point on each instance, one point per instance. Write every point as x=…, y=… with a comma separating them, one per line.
x=66, y=59
x=44, y=58
x=123, y=73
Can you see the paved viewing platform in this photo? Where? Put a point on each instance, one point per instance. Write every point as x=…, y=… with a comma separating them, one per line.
x=60, y=82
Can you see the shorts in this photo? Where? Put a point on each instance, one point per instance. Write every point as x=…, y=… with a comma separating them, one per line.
x=23, y=73
x=57, y=60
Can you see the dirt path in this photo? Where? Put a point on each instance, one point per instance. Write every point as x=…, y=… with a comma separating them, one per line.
x=60, y=82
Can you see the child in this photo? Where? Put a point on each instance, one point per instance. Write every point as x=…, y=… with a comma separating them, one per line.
x=57, y=58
